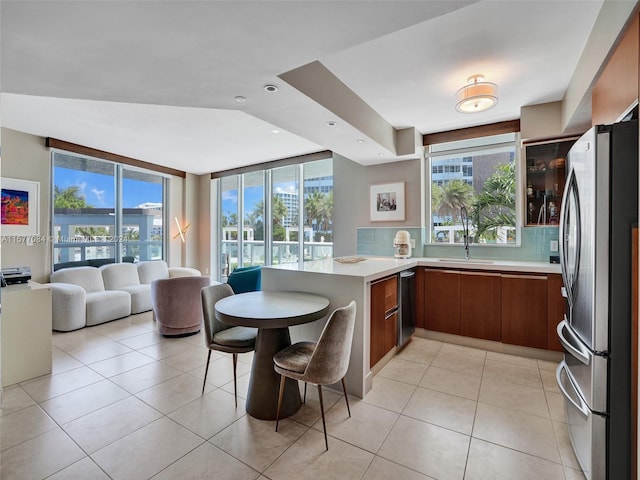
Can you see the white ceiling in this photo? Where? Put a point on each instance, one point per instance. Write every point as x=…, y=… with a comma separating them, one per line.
x=156, y=80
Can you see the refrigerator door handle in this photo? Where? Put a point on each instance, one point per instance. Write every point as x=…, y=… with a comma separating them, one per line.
x=574, y=399
x=572, y=344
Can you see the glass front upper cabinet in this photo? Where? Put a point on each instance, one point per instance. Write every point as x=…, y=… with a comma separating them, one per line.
x=545, y=171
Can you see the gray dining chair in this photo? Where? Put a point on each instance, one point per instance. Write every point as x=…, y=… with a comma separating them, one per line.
x=322, y=363
x=223, y=337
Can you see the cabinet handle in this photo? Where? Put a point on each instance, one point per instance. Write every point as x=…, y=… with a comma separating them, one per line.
x=391, y=314
x=484, y=274
x=527, y=277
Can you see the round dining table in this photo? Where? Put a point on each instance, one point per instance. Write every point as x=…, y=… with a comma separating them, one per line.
x=272, y=313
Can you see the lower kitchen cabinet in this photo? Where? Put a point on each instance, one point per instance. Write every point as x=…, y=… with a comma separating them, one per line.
x=419, y=290
x=525, y=310
x=442, y=301
x=514, y=308
x=480, y=305
x=384, y=318
x=556, y=310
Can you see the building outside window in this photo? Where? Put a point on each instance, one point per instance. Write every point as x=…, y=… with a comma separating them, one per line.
x=480, y=176
x=299, y=201
x=104, y=210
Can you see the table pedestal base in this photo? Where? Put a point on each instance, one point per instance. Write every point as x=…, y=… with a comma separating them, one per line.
x=262, y=397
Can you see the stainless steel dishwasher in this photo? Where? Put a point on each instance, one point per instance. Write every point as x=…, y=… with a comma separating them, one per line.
x=407, y=307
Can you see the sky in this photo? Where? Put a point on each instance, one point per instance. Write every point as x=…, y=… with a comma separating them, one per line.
x=99, y=189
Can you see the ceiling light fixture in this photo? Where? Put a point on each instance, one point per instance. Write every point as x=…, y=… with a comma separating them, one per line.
x=271, y=88
x=275, y=131
x=381, y=154
x=477, y=95
x=240, y=99
x=360, y=140
x=331, y=123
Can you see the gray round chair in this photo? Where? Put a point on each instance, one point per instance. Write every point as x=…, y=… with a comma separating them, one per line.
x=176, y=305
x=322, y=363
x=223, y=337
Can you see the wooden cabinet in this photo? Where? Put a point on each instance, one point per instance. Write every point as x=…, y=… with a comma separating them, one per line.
x=515, y=308
x=384, y=317
x=556, y=310
x=420, y=291
x=463, y=303
x=442, y=300
x=524, y=310
x=480, y=305
x=545, y=169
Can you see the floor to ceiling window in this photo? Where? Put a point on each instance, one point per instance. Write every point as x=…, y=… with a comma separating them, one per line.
x=104, y=210
x=285, y=215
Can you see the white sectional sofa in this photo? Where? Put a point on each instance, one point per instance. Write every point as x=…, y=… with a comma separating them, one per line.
x=85, y=296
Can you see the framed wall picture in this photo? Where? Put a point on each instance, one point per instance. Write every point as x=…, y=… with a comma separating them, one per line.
x=19, y=208
x=387, y=202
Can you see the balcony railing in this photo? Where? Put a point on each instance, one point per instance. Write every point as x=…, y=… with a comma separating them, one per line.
x=140, y=250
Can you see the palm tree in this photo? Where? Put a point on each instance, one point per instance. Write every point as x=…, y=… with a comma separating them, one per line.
x=69, y=197
x=326, y=211
x=278, y=210
x=495, y=206
x=312, y=207
x=454, y=195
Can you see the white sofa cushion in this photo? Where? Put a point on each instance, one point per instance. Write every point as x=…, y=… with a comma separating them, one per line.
x=68, y=306
x=158, y=269
x=140, y=297
x=183, y=272
x=106, y=306
x=118, y=275
x=88, y=278
x=124, y=277
x=152, y=270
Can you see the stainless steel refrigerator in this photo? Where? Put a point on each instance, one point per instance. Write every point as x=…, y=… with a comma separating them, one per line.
x=599, y=209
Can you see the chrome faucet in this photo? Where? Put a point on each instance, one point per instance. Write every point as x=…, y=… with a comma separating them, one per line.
x=464, y=216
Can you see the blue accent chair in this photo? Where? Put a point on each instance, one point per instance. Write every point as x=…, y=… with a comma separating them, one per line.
x=245, y=279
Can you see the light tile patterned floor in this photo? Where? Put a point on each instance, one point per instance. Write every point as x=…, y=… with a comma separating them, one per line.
x=125, y=403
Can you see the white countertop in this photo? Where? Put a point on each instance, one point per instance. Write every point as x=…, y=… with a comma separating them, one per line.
x=376, y=267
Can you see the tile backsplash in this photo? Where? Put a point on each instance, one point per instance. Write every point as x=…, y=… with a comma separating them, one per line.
x=534, y=245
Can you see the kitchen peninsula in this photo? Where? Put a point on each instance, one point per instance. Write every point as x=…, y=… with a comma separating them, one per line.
x=343, y=282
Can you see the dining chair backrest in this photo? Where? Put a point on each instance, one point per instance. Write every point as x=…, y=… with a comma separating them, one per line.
x=330, y=359
x=210, y=295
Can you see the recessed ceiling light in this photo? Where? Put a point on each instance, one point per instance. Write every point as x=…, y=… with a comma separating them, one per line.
x=271, y=88
x=331, y=123
x=240, y=99
x=275, y=130
x=360, y=140
x=381, y=154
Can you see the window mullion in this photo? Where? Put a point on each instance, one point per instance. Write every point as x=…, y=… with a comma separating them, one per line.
x=240, y=221
x=267, y=218
x=300, y=183
x=117, y=253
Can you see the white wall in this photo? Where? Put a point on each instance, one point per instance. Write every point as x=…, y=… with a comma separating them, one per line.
x=26, y=157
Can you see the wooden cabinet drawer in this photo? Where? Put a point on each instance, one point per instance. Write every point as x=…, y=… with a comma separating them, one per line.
x=384, y=317
x=390, y=293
